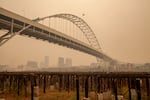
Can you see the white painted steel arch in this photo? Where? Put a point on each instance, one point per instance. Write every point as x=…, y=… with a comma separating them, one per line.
x=81, y=24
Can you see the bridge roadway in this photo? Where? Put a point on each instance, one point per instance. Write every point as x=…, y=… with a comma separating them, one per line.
x=14, y=23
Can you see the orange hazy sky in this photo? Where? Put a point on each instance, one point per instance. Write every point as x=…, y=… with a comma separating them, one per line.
x=121, y=26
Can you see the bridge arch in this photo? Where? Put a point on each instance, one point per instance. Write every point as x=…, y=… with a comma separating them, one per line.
x=81, y=24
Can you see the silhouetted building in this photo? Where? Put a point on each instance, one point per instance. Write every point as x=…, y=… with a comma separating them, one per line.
x=68, y=62
x=61, y=62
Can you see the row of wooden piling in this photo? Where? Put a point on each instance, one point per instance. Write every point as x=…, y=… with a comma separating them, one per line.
x=74, y=82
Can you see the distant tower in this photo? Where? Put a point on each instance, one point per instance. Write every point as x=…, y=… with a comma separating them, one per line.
x=68, y=62
x=61, y=62
x=46, y=61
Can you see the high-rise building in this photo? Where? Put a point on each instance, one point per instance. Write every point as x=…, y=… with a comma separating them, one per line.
x=68, y=62
x=61, y=62
x=46, y=61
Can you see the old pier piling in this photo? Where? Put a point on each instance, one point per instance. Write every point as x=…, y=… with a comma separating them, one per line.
x=124, y=85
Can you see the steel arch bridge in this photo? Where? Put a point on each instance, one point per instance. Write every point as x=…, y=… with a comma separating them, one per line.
x=16, y=24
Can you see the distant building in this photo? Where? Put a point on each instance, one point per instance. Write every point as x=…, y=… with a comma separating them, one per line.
x=41, y=65
x=68, y=62
x=4, y=68
x=20, y=67
x=61, y=62
x=46, y=61
x=32, y=65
